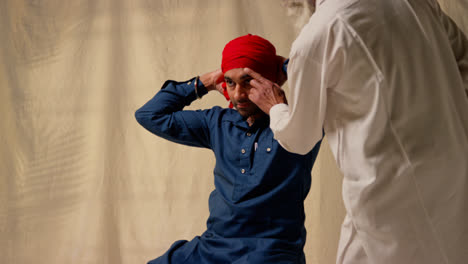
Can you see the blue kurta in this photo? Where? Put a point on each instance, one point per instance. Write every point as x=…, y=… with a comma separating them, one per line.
x=257, y=206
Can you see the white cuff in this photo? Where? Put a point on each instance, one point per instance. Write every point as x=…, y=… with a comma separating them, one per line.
x=278, y=116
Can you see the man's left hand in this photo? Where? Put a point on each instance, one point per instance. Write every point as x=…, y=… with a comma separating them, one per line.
x=264, y=93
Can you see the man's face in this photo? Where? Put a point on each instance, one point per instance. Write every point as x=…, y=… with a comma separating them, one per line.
x=238, y=88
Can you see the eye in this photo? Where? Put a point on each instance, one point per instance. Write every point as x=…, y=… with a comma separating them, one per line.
x=229, y=82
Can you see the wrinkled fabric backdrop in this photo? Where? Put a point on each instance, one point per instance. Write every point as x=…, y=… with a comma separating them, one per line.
x=80, y=180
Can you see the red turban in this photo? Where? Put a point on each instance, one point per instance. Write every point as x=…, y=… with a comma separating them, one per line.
x=254, y=52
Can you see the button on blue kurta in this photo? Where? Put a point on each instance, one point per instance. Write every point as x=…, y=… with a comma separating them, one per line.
x=257, y=206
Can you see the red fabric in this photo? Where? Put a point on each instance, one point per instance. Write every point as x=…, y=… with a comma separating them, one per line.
x=254, y=52
x=226, y=95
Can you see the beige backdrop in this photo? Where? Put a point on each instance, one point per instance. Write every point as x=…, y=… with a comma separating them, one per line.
x=80, y=180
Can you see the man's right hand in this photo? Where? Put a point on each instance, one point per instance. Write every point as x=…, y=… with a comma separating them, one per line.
x=213, y=80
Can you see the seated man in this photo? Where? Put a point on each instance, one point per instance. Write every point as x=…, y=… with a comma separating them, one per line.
x=257, y=206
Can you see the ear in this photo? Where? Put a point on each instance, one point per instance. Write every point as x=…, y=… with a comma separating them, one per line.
x=226, y=95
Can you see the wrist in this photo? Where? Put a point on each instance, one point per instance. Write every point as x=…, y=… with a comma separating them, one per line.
x=206, y=80
x=195, y=84
x=195, y=88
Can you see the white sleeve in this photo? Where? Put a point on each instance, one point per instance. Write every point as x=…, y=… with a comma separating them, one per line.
x=298, y=127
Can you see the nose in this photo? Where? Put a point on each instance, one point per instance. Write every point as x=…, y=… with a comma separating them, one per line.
x=240, y=92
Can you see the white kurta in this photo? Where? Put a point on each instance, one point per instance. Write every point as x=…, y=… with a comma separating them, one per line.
x=388, y=81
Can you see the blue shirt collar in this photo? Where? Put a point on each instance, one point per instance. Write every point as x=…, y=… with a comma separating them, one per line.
x=239, y=121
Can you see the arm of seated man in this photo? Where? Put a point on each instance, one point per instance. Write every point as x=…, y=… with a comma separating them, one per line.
x=163, y=115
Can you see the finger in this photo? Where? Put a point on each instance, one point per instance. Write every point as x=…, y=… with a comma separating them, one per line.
x=256, y=84
x=255, y=75
x=253, y=97
x=219, y=87
x=219, y=76
x=277, y=87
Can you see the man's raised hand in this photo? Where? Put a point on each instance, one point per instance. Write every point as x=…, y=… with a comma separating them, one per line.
x=264, y=93
x=213, y=80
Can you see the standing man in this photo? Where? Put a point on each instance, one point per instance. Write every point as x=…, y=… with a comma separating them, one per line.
x=257, y=206
x=388, y=82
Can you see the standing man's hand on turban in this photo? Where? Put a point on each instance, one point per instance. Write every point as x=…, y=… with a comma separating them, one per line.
x=264, y=93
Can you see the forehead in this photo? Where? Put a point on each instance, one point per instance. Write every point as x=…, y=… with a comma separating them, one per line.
x=236, y=74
